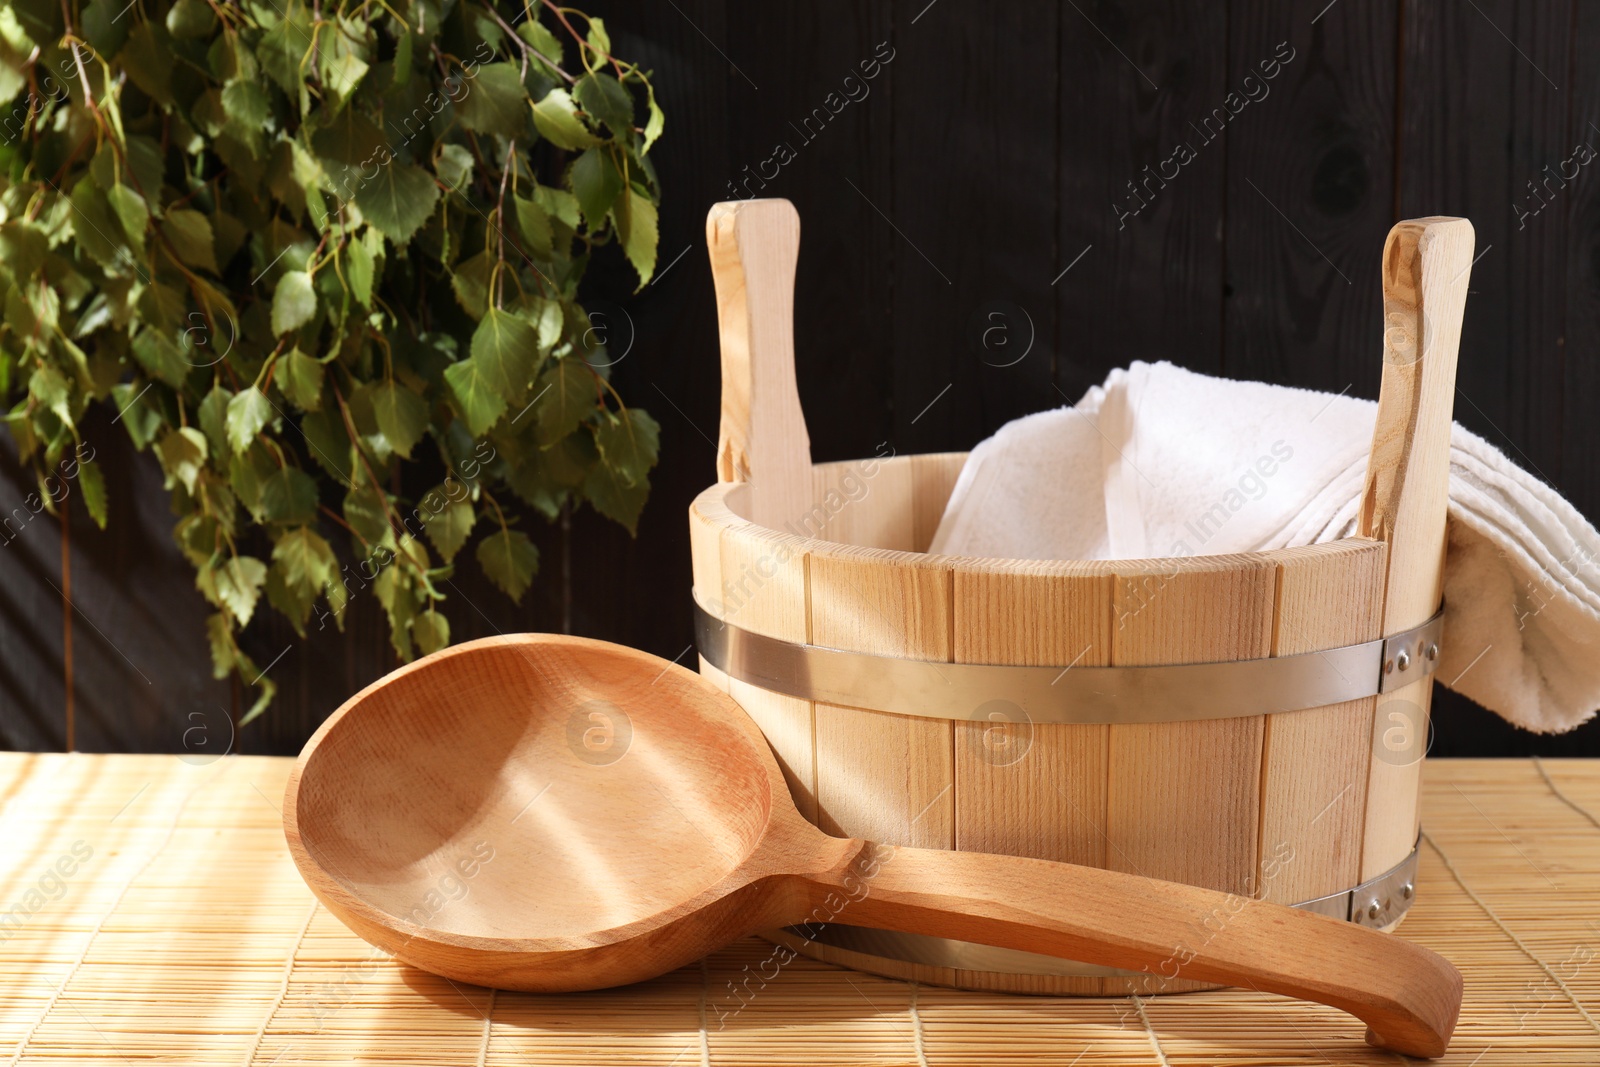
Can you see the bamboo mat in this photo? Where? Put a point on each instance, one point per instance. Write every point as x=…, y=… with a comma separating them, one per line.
x=183, y=934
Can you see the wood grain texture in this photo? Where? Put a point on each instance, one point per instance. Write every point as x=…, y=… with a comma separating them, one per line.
x=708, y=517
x=934, y=477
x=1426, y=264
x=1025, y=788
x=973, y=345
x=1135, y=84
x=887, y=777
x=865, y=502
x=1208, y=275
x=633, y=862
x=1184, y=797
x=754, y=245
x=1579, y=458
x=765, y=584
x=789, y=139
x=139, y=660
x=1487, y=127
x=1310, y=191
x=33, y=681
x=1314, y=763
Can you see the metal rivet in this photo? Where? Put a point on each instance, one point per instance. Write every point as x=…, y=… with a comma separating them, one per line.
x=1408, y=890
x=1388, y=666
x=1433, y=652
x=1373, y=911
x=1403, y=661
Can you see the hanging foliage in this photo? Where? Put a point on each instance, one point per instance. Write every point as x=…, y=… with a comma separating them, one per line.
x=298, y=246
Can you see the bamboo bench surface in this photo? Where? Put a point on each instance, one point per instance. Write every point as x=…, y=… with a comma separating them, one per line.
x=186, y=936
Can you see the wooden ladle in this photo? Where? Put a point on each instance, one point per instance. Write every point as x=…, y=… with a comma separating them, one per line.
x=552, y=813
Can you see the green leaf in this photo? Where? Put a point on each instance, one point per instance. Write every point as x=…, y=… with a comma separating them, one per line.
x=629, y=443
x=340, y=63
x=283, y=47
x=94, y=226
x=135, y=411
x=246, y=104
x=359, y=269
x=548, y=318
x=636, y=227
x=399, y=602
x=431, y=631
x=402, y=415
x=159, y=356
x=190, y=235
x=247, y=472
x=559, y=204
x=510, y=560
x=599, y=39
x=507, y=349
x=454, y=167
x=267, y=690
x=398, y=200
x=404, y=48
x=182, y=453
x=364, y=511
x=248, y=412
x=654, y=124
x=50, y=390
x=189, y=20
x=557, y=119
x=219, y=634
x=566, y=396
x=294, y=303
x=289, y=497
x=614, y=497
x=534, y=225
x=93, y=480
x=132, y=213
x=596, y=183
x=539, y=37
x=213, y=414
x=23, y=246
x=104, y=31
x=307, y=560
x=147, y=57
x=300, y=379
x=290, y=600
x=32, y=311
x=141, y=165
x=495, y=101
x=329, y=444
x=481, y=402
x=352, y=139
x=448, y=522
x=606, y=99
x=470, y=282
x=238, y=586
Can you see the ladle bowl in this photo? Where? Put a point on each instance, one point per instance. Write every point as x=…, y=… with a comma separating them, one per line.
x=549, y=813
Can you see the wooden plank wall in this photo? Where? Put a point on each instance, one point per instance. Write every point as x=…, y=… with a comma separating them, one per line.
x=941, y=290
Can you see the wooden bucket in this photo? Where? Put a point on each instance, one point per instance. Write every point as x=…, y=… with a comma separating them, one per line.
x=821, y=613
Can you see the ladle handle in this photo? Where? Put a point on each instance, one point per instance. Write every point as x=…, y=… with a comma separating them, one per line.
x=1408, y=996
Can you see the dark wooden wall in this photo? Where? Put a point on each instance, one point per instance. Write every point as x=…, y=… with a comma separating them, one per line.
x=985, y=161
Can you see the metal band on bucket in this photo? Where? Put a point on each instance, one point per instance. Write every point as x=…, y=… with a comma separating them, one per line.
x=1068, y=693
x=1378, y=902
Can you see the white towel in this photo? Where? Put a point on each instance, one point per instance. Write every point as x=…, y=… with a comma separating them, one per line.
x=1160, y=461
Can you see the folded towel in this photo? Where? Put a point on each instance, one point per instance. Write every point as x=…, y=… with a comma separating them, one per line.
x=1160, y=461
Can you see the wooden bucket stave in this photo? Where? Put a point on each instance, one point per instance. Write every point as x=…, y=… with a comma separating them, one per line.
x=1290, y=807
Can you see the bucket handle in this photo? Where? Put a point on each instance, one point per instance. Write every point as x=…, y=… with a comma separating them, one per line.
x=1426, y=263
x=754, y=246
